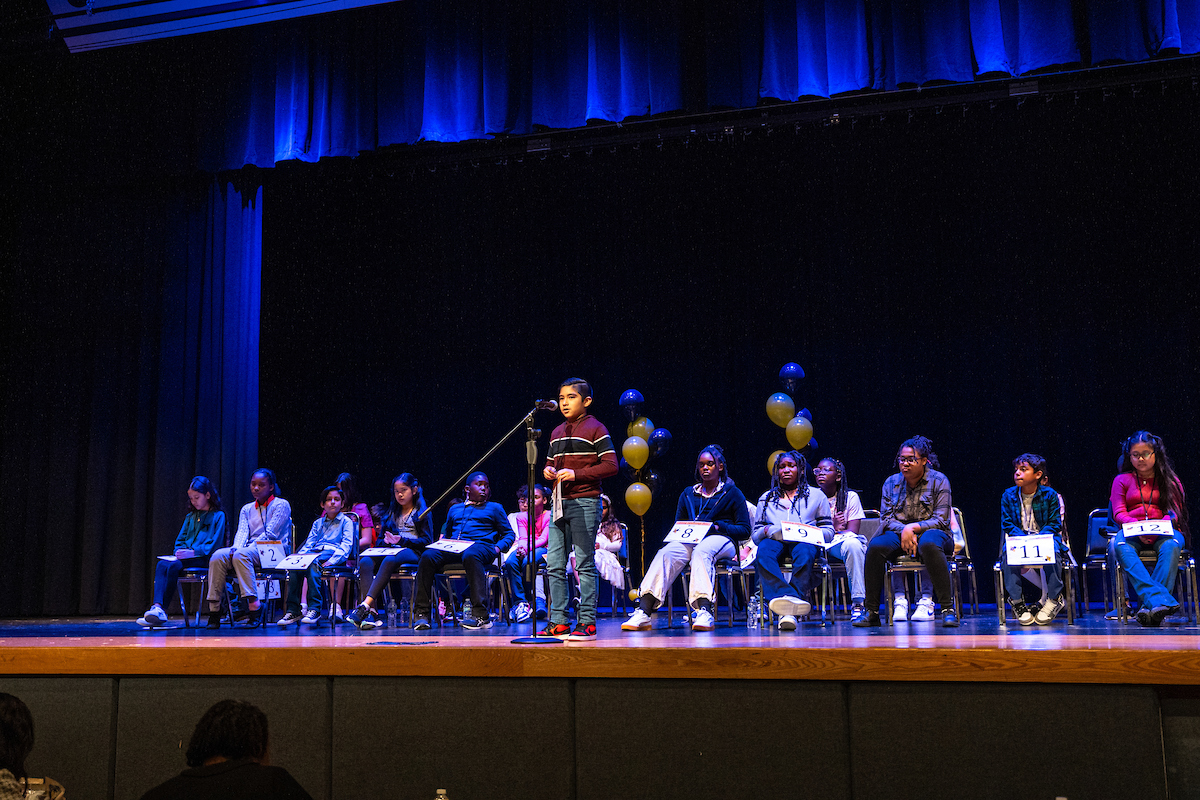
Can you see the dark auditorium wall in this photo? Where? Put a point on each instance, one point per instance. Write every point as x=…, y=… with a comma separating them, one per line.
x=1001, y=280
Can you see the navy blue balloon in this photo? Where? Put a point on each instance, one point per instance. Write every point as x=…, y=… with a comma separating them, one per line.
x=627, y=470
x=652, y=481
x=811, y=446
x=804, y=412
x=790, y=376
x=631, y=401
x=660, y=442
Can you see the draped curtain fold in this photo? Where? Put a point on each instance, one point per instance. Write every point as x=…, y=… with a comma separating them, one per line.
x=136, y=343
x=338, y=85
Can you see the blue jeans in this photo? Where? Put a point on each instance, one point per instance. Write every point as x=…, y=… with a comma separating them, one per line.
x=166, y=576
x=514, y=571
x=1151, y=589
x=316, y=586
x=1012, y=577
x=577, y=528
x=771, y=553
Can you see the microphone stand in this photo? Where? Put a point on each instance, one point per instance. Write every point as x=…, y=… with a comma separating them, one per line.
x=531, y=457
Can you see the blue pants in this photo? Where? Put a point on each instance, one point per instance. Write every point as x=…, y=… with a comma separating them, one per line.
x=166, y=576
x=771, y=553
x=933, y=546
x=577, y=529
x=514, y=571
x=1151, y=589
x=1012, y=577
x=316, y=586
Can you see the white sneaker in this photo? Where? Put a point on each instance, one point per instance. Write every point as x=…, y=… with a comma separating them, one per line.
x=152, y=618
x=311, y=617
x=790, y=605
x=338, y=616
x=703, y=621
x=1049, y=611
x=522, y=613
x=638, y=621
x=900, y=609
x=787, y=623
x=290, y=618
x=924, y=610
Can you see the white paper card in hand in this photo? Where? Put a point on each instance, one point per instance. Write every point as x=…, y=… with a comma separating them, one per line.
x=1034, y=550
x=451, y=545
x=380, y=552
x=270, y=553
x=687, y=532
x=799, y=532
x=298, y=561
x=1148, y=527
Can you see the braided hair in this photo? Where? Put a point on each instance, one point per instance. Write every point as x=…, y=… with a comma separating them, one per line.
x=839, y=469
x=775, y=495
x=923, y=447
x=718, y=455
x=1170, y=490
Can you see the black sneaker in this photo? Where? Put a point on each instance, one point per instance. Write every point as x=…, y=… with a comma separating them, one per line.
x=868, y=619
x=422, y=623
x=476, y=623
x=214, y=620
x=556, y=630
x=358, y=616
x=949, y=618
x=1159, y=613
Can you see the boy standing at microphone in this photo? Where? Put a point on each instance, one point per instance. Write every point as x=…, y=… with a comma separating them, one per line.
x=581, y=455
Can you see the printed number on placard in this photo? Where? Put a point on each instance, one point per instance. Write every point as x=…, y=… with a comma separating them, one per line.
x=687, y=532
x=1033, y=550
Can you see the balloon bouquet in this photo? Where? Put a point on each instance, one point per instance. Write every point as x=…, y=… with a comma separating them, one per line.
x=781, y=408
x=643, y=443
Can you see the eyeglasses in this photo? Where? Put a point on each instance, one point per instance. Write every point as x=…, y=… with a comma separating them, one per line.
x=1142, y=456
x=909, y=459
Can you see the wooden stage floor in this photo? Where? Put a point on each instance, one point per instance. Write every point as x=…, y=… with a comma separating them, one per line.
x=1091, y=652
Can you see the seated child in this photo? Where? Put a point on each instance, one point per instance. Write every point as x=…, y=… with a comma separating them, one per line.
x=332, y=536
x=1028, y=508
x=485, y=524
x=514, y=561
x=203, y=532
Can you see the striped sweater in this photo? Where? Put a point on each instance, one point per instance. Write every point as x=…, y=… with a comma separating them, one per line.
x=585, y=447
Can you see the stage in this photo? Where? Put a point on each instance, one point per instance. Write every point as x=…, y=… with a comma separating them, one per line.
x=1092, y=651
x=736, y=712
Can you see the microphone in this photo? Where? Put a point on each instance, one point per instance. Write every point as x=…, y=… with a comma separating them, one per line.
x=546, y=405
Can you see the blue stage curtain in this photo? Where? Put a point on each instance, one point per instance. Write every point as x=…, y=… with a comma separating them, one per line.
x=135, y=339
x=434, y=70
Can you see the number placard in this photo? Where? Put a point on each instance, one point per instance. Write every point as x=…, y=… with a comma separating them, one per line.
x=455, y=546
x=798, y=532
x=1148, y=527
x=1034, y=550
x=380, y=552
x=298, y=561
x=271, y=554
x=687, y=532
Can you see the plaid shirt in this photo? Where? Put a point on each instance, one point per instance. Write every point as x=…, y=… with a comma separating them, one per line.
x=927, y=503
x=1046, y=512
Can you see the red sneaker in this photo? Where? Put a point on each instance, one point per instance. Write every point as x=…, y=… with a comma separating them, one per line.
x=582, y=633
x=556, y=630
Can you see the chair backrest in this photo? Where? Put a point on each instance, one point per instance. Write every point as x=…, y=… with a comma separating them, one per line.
x=1099, y=532
x=869, y=526
x=958, y=529
x=357, y=535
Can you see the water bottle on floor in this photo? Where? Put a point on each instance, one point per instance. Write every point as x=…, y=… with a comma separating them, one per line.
x=753, y=611
x=391, y=613
x=441, y=795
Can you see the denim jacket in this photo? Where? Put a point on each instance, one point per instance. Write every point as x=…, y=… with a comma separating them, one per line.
x=933, y=498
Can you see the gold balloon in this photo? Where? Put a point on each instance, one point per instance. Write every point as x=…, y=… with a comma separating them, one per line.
x=634, y=595
x=799, y=432
x=780, y=409
x=636, y=451
x=640, y=427
x=771, y=461
x=637, y=498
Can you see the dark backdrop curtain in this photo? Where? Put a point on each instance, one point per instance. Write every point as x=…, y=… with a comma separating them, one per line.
x=341, y=84
x=132, y=366
x=1009, y=280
